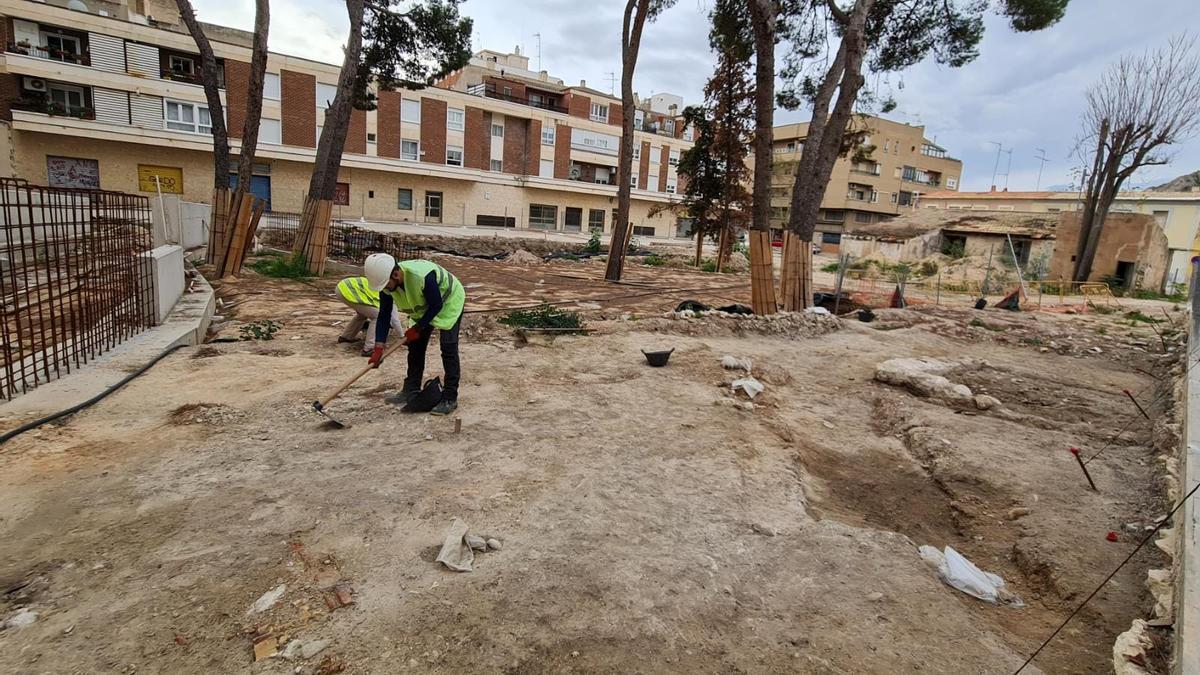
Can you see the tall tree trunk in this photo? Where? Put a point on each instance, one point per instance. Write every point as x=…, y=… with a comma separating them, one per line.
x=212, y=93
x=312, y=239
x=254, y=93
x=762, y=276
x=821, y=149
x=1088, y=217
x=631, y=41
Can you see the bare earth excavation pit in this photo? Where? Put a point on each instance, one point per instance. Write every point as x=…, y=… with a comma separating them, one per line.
x=648, y=524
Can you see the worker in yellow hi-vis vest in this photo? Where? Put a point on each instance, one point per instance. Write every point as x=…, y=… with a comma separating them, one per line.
x=355, y=291
x=433, y=298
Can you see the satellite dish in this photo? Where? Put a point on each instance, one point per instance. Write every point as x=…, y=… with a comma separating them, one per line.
x=576, y=172
x=77, y=5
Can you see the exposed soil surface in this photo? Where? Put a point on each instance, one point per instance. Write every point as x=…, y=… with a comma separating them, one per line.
x=651, y=522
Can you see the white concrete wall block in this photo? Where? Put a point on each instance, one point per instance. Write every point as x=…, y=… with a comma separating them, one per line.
x=166, y=265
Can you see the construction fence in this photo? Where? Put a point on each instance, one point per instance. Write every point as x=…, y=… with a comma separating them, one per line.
x=347, y=242
x=75, y=279
x=1057, y=295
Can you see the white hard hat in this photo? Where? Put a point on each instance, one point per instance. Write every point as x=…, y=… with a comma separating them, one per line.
x=378, y=270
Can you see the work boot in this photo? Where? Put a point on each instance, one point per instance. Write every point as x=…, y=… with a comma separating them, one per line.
x=366, y=352
x=446, y=407
x=342, y=340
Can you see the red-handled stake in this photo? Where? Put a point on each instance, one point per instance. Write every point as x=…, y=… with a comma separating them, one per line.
x=1139, y=405
x=1075, y=453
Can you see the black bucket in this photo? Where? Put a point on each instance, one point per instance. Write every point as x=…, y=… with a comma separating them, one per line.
x=657, y=359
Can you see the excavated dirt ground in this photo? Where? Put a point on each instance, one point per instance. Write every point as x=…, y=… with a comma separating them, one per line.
x=649, y=522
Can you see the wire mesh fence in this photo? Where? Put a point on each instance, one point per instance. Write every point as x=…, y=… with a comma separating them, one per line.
x=347, y=242
x=74, y=278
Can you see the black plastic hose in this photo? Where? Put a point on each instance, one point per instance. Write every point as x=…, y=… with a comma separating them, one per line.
x=28, y=426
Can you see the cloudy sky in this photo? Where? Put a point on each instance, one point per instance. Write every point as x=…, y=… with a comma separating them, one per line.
x=1024, y=91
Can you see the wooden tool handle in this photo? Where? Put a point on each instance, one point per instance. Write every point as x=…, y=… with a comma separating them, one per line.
x=321, y=403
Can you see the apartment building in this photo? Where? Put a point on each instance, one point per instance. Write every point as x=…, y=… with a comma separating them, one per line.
x=887, y=175
x=1177, y=214
x=107, y=94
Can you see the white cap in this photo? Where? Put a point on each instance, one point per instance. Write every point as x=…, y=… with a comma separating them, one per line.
x=378, y=270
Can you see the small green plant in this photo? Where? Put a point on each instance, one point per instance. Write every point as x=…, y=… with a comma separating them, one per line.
x=1102, y=330
x=708, y=265
x=927, y=268
x=260, y=330
x=739, y=247
x=831, y=267
x=654, y=260
x=1101, y=309
x=1035, y=341
x=294, y=266
x=593, y=245
x=544, y=316
x=1136, y=317
x=978, y=323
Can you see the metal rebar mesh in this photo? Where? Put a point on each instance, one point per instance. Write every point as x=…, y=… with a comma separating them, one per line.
x=347, y=243
x=74, y=278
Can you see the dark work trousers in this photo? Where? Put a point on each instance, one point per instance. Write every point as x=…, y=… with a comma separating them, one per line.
x=448, y=339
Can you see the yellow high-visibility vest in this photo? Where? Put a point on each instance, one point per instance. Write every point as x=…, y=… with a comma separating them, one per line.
x=355, y=290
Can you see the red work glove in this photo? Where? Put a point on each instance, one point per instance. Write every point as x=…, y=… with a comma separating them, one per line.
x=376, y=357
x=412, y=335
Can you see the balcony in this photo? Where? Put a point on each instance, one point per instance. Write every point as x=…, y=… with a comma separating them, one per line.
x=64, y=56
x=489, y=91
x=52, y=108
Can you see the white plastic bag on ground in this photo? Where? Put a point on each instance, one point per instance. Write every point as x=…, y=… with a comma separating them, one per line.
x=819, y=311
x=731, y=363
x=962, y=574
x=751, y=386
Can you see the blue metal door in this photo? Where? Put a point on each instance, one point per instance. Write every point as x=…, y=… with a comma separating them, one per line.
x=260, y=186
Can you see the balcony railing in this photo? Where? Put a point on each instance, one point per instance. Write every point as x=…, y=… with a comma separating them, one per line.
x=50, y=54
x=491, y=92
x=49, y=107
x=656, y=128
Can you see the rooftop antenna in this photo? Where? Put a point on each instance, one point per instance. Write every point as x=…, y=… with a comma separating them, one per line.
x=612, y=83
x=1041, y=158
x=538, y=37
x=996, y=166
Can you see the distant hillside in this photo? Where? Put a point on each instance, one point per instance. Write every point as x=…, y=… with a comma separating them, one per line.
x=1184, y=183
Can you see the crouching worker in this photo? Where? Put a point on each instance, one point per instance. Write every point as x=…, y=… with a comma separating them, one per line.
x=433, y=298
x=355, y=292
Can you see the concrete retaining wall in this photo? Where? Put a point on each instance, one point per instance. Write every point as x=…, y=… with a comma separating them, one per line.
x=1187, y=521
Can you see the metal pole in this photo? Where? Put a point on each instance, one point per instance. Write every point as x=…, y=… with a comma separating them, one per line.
x=162, y=210
x=843, y=261
x=1017, y=264
x=939, y=288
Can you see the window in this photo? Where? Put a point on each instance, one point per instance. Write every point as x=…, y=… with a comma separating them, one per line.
x=70, y=99
x=639, y=119
x=547, y=135
x=454, y=156
x=887, y=146
x=183, y=116
x=269, y=131
x=404, y=199
x=687, y=136
x=832, y=216
x=599, y=112
x=325, y=94
x=410, y=111
x=602, y=175
x=543, y=217
x=906, y=199
x=341, y=194
x=633, y=180
x=952, y=183
x=508, y=91
x=371, y=138
x=433, y=205
x=1161, y=217
x=654, y=152
x=546, y=168
x=862, y=217
x=498, y=130
x=643, y=231
x=410, y=150
x=181, y=65
x=62, y=47
x=596, y=220
x=674, y=158
x=671, y=186
x=637, y=151
x=497, y=165
x=834, y=238
x=652, y=184
x=454, y=119
x=271, y=86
